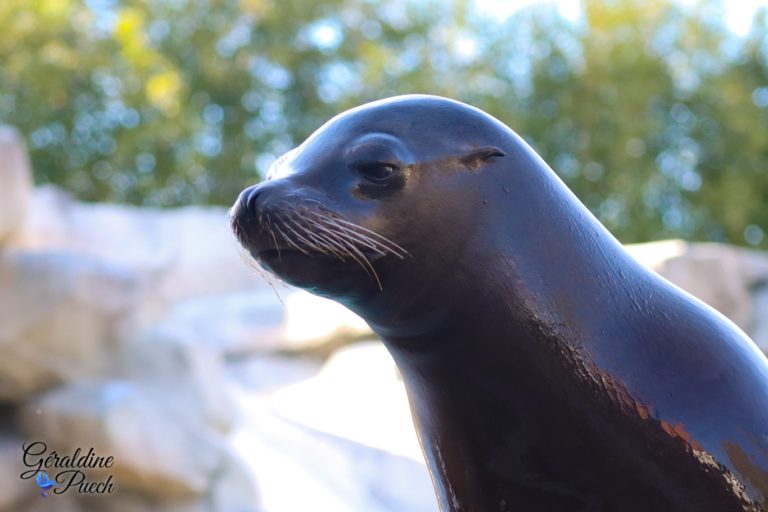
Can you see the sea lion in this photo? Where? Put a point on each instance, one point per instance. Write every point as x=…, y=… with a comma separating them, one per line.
x=546, y=369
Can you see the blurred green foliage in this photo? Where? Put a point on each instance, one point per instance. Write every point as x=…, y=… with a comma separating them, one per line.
x=653, y=113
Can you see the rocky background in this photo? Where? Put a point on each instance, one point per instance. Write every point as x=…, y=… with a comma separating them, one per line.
x=143, y=334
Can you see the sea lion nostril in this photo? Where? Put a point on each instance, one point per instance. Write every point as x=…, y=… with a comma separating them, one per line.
x=251, y=202
x=248, y=200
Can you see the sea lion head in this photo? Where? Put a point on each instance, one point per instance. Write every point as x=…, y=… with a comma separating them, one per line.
x=378, y=203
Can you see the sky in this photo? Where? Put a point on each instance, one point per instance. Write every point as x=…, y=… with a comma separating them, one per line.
x=738, y=13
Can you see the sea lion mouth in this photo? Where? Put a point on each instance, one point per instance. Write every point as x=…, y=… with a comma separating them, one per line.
x=288, y=261
x=288, y=253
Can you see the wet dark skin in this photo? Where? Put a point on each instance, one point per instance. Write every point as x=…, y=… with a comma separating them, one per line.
x=545, y=368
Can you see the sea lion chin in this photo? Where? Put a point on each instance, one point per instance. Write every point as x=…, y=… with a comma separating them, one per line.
x=546, y=369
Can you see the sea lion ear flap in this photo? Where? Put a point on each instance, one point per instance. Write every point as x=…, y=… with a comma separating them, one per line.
x=476, y=157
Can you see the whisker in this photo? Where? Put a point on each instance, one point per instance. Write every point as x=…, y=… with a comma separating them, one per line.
x=373, y=233
x=307, y=236
x=272, y=234
x=261, y=271
x=316, y=229
x=326, y=228
x=351, y=249
x=329, y=244
x=382, y=241
x=301, y=238
x=329, y=224
x=362, y=239
x=365, y=264
x=348, y=248
x=289, y=241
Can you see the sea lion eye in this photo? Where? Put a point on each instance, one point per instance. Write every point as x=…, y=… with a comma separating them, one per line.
x=377, y=172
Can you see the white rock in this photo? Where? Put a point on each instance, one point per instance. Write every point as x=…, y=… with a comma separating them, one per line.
x=190, y=251
x=13, y=489
x=132, y=502
x=51, y=504
x=760, y=329
x=156, y=451
x=61, y=316
x=312, y=321
x=358, y=395
x=267, y=373
x=15, y=182
x=234, y=487
x=187, y=373
x=233, y=324
x=344, y=437
x=299, y=468
x=266, y=320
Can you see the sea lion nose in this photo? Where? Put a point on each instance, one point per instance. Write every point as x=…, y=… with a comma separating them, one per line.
x=255, y=199
x=249, y=201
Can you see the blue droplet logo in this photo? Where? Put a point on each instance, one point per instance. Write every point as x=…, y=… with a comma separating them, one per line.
x=44, y=482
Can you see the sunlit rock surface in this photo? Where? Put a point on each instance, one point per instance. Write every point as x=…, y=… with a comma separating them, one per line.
x=188, y=251
x=15, y=182
x=14, y=490
x=62, y=315
x=157, y=450
x=342, y=434
x=233, y=324
x=312, y=321
x=187, y=375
